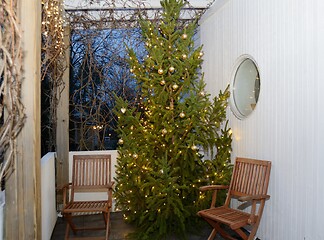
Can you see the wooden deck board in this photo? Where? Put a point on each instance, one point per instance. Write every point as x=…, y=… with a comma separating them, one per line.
x=118, y=231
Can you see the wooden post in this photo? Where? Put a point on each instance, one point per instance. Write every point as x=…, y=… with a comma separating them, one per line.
x=23, y=205
x=62, y=131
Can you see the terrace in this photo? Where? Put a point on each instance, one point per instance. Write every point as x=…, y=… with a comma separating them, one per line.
x=283, y=38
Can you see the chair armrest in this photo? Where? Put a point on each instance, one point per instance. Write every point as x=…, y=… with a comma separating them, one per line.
x=110, y=190
x=65, y=188
x=60, y=188
x=254, y=197
x=111, y=184
x=213, y=187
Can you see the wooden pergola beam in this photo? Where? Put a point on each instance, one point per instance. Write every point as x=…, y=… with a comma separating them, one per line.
x=62, y=131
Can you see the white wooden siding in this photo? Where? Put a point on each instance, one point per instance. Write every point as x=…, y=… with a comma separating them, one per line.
x=286, y=38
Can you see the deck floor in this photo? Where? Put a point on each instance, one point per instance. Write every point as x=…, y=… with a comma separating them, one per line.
x=119, y=229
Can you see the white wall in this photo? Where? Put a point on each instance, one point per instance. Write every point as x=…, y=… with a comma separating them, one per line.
x=286, y=38
x=48, y=195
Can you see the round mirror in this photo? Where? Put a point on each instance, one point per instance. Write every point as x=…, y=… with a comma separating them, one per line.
x=246, y=88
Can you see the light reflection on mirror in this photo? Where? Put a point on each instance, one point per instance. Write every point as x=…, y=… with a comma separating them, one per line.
x=246, y=88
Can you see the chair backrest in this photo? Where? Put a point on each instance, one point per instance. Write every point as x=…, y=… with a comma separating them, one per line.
x=250, y=177
x=91, y=173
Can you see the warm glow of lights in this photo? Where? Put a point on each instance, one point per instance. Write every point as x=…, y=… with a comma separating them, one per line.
x=98, y=127
x=52, y=27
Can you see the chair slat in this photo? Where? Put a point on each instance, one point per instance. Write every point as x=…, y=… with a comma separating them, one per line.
x=89, y=171
x=254, y=180
x=249, y=178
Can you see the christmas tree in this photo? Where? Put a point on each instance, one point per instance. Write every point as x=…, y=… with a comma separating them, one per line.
x=165, y=138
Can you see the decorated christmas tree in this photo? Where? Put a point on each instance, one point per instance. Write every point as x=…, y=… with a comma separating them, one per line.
x=176, y=138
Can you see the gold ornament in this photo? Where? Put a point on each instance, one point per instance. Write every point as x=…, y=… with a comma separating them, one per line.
x=175, y=86
x=202, y=93
x=162, y=83
x=194, y=148
x=160, y=71
x=184, y=56
x=164, y=131
x=135, y=156
x=184, y=36
x=123, y=110
x=201, y=54
x=182, y=114
x=120, y=141
x=171, y=69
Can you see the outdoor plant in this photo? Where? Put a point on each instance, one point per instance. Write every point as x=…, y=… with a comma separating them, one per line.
x=175, y=138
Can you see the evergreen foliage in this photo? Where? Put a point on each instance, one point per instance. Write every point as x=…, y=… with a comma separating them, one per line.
x=165, y=140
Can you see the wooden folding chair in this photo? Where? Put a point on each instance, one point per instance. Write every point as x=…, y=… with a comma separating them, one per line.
x=249, y=183
x=90, y=173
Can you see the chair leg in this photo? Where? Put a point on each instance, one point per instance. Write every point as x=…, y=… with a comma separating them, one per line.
x=255, y=226
x=218, y=228
x=67, y=231
x=69, y=224
x=107, y=225
x=253, y=232
x=104, y=214
x=241, y=233
x=212, y=235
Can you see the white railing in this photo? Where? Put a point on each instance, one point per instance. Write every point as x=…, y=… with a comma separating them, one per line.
x=48, y=197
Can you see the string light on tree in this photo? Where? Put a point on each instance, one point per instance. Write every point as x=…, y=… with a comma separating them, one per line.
x=169, y=130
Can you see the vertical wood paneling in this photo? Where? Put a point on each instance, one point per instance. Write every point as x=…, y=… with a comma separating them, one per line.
x=286, y=38
x=318, y=194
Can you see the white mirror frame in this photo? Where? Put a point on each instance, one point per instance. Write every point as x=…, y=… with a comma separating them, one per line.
x=239, y=113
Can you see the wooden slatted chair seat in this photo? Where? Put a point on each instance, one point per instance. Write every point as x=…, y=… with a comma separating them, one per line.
x=231, y=217
x=87, y=206
x=90, y=174
x=249, y=183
